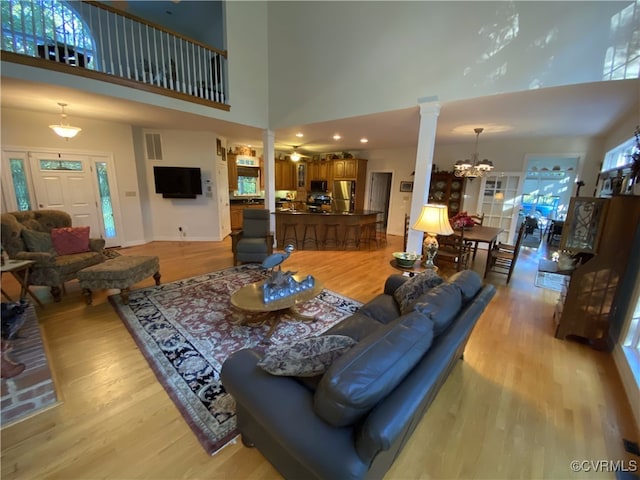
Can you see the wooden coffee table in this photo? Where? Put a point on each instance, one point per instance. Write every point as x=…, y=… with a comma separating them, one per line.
x=249, y=299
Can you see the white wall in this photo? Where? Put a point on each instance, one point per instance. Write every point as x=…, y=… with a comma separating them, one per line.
x=507, y=156
x=400, y=162
x=246, y=30
x=21, y=128
x=146, y=216
x=367, y=57
x=199, y=217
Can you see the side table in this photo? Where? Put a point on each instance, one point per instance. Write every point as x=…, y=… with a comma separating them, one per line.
x=417, y=267
x=20, y=270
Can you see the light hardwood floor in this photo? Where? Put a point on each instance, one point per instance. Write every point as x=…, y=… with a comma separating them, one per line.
x=521, y=405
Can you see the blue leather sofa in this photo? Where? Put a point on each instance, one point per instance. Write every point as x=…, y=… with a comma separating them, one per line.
x=352, y=421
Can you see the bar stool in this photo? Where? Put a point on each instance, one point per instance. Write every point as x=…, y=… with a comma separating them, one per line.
x=368, y=234
x=310, y=228
x=333, y=229
x=290, y=233
x=381, y=233
x=351, y=236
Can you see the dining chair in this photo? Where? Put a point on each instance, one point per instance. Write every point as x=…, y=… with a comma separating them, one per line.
x=406, y=231
x=478, y=219
x=254, y=242
x=531, y=225
x=454, y=249
x=503, y=256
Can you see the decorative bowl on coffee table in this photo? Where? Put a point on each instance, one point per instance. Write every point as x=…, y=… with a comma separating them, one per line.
x=406, y=259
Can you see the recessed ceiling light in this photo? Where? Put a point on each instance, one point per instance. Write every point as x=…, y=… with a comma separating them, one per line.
x=364, y=140
x=299, y=134
x=337, y=136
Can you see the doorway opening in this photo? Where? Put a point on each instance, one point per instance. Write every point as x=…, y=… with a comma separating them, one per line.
x=380, y=194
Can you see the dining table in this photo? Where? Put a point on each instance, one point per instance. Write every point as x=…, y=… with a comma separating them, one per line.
x=482, y=234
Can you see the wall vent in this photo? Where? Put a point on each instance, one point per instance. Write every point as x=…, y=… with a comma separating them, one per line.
x=154, y=146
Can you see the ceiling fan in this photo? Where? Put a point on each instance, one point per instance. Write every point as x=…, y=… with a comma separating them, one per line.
x=296, y=155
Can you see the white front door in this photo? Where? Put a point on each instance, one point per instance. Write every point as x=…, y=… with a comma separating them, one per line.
x=65, y=182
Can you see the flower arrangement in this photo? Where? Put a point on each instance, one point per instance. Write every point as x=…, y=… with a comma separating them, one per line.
x=460, y=220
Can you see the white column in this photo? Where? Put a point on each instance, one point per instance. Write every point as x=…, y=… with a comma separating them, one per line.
x=429, y=111
x=269, y=175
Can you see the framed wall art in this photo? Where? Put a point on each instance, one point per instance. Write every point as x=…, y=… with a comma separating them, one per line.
x=406, y=186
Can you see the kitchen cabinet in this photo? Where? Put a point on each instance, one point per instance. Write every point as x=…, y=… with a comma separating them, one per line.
x=447, y=189
x=286, y=174
x=236, y=214
x=355, y=170
x=602, y=231
x=232, y=171
x=261, y=173
x=349, y=168
x=318, y=170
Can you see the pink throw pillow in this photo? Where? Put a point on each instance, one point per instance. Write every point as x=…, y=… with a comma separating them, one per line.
x=69, y=240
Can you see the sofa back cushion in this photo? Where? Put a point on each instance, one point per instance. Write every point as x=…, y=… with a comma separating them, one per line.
x=13, y=223
x=366, y=373
x=70, y=240
x=407, y=293
x=470, y=283
x=382, y=308
x=441, y=304
x=37, y=241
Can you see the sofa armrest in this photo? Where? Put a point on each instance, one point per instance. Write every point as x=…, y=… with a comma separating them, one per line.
x=393, y=282
x=275, y=413
x=236, y=235
x=96, y=244
x=42, y=259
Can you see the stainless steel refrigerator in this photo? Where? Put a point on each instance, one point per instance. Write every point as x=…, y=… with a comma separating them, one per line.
x=344, y=195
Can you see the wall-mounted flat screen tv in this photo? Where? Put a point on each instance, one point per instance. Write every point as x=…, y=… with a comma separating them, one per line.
x=178, y=182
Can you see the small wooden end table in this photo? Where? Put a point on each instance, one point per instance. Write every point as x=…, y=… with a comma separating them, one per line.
x=249, y=298
x=20, y=270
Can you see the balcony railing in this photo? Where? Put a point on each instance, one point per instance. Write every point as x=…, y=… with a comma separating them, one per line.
x=96, y=41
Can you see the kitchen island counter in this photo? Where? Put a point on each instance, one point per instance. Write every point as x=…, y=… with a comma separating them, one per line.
x=328, y=226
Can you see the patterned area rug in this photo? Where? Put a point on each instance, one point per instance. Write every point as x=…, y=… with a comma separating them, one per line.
x=552, y=281
x=186, y=330
x=532, y=240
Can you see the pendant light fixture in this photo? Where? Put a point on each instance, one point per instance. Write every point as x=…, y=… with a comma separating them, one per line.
x=64, y=130
x=473, y=168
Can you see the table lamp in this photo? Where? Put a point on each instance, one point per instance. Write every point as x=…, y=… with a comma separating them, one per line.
x=433, y=220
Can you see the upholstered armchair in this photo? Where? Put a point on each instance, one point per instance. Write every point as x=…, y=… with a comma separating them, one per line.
x=28, y=236
x=254, y=242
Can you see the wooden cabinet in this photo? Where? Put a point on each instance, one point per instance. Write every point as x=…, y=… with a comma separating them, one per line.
x=318, y=170
x=447, y=189
x=603, y=230
x=349, y=168
x=232, y=172
x=261, y=173
x=286, y=174
x=236, y=214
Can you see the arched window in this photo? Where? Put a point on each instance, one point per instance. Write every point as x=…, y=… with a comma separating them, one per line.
x=48, y=29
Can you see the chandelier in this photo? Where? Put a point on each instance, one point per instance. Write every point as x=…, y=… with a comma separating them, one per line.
x=64, y=130
x=473, y=168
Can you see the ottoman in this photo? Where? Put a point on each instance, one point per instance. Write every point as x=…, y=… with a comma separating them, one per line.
x=119, y=272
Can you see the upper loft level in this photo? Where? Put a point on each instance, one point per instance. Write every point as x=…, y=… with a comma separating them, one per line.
x=96, y=41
